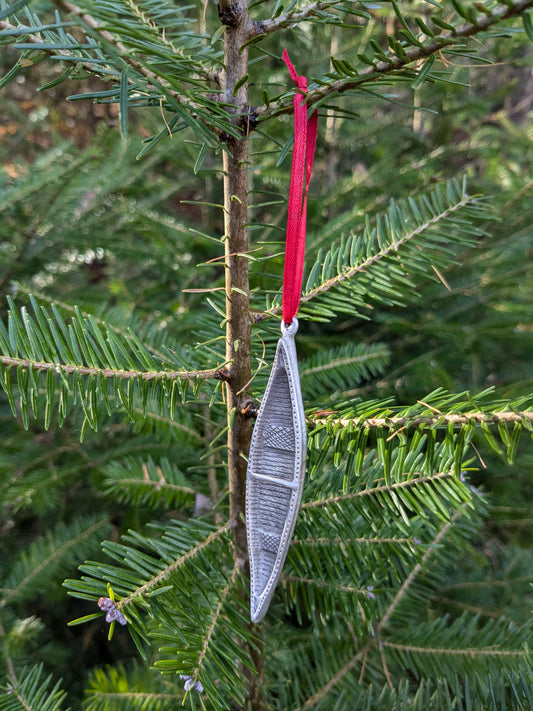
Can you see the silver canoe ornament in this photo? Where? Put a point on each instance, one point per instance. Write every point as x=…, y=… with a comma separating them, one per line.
x=275, y=477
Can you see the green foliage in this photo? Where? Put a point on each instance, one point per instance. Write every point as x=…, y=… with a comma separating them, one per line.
x=130, y=689
x=187, y=585
x=76, y=361
x=407, y=584
x=163, y=62
x=33, y=692
x=340, y=278
x=341, y=368
x=38, y=568
x=139, y=482
x=424, y=434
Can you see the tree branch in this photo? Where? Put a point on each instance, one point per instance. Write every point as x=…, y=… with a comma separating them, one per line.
x=395, y=63
x=125, y=53
x=122, y=332
x=266, y=27
x=470, y=652
x=157, y=82
x=216, y=374
x=313, y=700
x=36, y=40
x=407, y=484
x=351, y=272
x=216, y=613
x=338, y=541
x=418, y=568
x=491, y=418
x=288, y=579
x=169, y=569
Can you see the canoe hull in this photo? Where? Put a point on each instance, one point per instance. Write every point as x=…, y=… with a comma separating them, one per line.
x=275, y=477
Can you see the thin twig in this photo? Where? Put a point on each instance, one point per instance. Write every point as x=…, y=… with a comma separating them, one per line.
x=395, y=63
x=351, y=272
x=125, y=53
x=266, y=27
x=216, y=613
x=313, y=700
x=408, y=483
x=342, y=542
x=469, y=652
x=490, y=418
x=288, y=579
x=169, y=569
x=28, y=364
x=159, y=83
x=415, y=572
x=92, y=67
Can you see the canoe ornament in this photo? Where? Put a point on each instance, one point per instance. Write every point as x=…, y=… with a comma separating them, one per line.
x=276, y=470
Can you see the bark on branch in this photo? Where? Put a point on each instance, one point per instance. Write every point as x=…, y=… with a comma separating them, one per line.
x=395, y=63
x=27, y=364
x=397, y=423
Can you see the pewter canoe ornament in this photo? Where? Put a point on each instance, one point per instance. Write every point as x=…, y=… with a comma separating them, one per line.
x=276, y=469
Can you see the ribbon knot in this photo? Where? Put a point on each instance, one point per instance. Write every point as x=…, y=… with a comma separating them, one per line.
x=300, y=81
x=305, y=131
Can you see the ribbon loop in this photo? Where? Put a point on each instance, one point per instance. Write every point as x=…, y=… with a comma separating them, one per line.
x=305, y=131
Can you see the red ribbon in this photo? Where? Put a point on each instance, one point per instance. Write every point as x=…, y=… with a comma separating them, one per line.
x=302, y=164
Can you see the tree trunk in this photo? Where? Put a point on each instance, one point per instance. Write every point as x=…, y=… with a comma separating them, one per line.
x=238, y=324
x=238, y=327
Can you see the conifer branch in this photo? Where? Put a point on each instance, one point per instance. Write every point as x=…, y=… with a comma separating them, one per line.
x=214, y=374
x=411, y=55
x=168, y=422
x=470, y=652
x=57, y=555
x=32, y=38
x=288, y=579
x=148, y=74
x=266, y=27
x=417, y=569
x=338, y=541
x=216, y=613
x=85, y=314
x=397, y=423
x=415, y=572
x=348, y=273
x=343, y=361
x=169, y=569
x=408, y=483
x=474, y=609
x=316, y=698
x=158, y=485
x=155, y=81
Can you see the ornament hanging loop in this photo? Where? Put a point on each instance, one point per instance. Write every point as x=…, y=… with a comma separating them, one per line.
x=305, y=130
x=289, y=329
